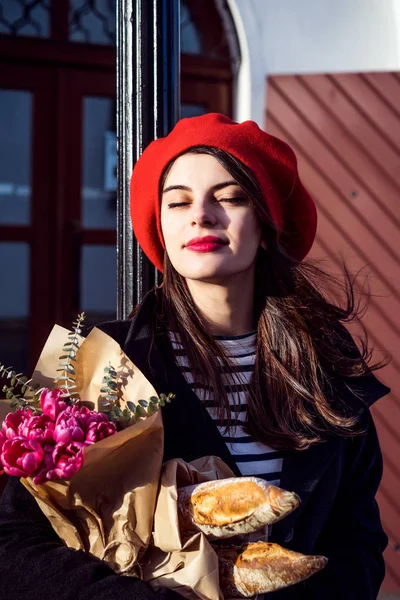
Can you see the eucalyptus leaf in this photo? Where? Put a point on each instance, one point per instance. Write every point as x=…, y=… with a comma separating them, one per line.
x=143, y=403
x=131, y=405
x=152, y=409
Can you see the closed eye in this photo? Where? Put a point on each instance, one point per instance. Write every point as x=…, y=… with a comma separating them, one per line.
x=176, y=204
x=236, y=200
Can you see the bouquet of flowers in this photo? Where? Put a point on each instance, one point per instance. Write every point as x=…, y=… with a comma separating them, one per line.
x=86, y=439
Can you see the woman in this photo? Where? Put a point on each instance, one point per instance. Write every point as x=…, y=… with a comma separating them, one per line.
x=265, y=374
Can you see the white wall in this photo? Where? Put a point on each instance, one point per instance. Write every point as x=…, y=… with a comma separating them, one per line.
x=311, y=36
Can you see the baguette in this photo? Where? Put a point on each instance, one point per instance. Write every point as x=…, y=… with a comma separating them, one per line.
x=233, y=506
x=262, y=567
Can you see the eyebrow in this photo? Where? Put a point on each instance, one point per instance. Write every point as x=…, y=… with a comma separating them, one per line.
x=217, y=186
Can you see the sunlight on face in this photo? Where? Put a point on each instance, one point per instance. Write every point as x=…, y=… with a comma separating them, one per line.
x=210, y=228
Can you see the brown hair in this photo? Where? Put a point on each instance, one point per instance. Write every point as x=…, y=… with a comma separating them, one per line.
x=301, y=343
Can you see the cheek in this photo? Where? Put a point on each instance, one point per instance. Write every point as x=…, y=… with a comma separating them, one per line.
x=248, y=232
x=170, y=229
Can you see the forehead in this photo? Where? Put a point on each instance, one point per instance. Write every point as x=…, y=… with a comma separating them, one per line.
x=196, y=171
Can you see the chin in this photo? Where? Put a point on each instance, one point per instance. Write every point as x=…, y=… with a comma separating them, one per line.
x=217, y=275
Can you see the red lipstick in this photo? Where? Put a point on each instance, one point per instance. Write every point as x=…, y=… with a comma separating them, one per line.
x=208, y=243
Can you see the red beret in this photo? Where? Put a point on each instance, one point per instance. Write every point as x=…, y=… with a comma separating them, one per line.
x=271, y=160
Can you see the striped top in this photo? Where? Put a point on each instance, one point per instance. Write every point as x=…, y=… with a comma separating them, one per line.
x=252, y=458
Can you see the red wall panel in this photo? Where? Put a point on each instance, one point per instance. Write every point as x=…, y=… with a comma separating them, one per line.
x=345, y=130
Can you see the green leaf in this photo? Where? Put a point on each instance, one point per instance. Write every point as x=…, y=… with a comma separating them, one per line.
x=143, y=403
x=14, y=403
x=23, y=389
x=104, y=390
x=131, y=405
x=118, y=411
x=152, y=409
x=13, y=380
x=139, y=412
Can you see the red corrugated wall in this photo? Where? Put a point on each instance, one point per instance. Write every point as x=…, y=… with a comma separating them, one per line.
x=345, y=130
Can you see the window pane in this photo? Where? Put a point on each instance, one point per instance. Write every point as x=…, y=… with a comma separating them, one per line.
x=191, y=42
x=14, y=305
x=15, y=157
x=98, y=283
x=192, y=110
x=92, y=21
x=24, y=17
x=99, y=164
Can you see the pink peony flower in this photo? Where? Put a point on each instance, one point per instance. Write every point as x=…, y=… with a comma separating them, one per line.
x=68, y=459
x=86, y=417
x=67, y=427
x=12, y=422
x=47, y=470
x=21, y=457
x=99, y=431
x=52, y=403
x=39, y=428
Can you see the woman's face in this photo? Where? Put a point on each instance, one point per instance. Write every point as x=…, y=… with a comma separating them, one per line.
x=210, y=228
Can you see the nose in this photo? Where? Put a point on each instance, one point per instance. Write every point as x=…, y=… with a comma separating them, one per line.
x=202, y=214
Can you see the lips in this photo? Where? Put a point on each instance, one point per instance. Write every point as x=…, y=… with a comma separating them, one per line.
x=208, y=243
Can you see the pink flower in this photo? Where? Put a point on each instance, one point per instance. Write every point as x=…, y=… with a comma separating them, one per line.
x=52, y=403
x=86, y=417
x=67, y=427
x=47, y=471
x=12, y=422
x=99, y=431
x=21, y=457
x=68, y=459
x=39, y=428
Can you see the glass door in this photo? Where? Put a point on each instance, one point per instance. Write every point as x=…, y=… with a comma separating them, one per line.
x=88, y=242
x=26, y=175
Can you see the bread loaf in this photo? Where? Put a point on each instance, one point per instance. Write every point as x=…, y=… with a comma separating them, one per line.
x=262, y=567
x=234, y=506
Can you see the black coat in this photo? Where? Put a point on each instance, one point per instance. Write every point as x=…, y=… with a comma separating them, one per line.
x=336, y=480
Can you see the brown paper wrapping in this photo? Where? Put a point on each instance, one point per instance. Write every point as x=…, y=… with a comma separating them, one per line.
x=188, y=566
x=109, y=506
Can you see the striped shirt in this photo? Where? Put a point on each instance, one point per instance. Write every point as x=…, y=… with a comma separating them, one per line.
x=252, y=458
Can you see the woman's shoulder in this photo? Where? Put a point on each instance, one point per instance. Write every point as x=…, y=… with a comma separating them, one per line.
x=360, y=391
x=116, y=329
x=139, y=327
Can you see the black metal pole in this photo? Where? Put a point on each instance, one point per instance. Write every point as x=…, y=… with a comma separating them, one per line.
x=148, y=105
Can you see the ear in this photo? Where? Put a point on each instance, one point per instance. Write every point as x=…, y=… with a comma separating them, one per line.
x=263, y=245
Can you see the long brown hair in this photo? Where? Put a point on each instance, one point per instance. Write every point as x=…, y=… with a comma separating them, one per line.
x=301, y=343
